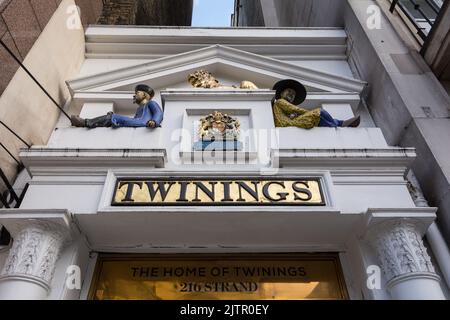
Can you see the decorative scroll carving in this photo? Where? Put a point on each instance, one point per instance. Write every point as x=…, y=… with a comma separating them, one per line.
x=415, y=190
x=400, y=249
x=35, y=251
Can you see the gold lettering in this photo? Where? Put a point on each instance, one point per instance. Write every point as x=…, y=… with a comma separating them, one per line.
x=305, y=191
x=161, y=189
x=281, y=195
x=253, y=192
x=209, y=193
x=218, y=192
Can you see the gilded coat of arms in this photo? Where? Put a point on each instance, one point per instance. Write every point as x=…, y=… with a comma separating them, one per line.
x=218, y=131
x=219, y=126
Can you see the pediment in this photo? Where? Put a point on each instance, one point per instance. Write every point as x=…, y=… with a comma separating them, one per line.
x=223, y=62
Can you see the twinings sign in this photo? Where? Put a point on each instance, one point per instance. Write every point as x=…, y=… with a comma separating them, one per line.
x=211, y=277
x=189, y=192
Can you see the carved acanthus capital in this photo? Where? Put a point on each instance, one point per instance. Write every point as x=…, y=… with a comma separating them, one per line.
x=35, y=250
x=400, y=249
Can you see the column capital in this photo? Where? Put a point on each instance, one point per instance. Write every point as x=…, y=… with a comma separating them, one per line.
x=37, y=244
x=400, y=250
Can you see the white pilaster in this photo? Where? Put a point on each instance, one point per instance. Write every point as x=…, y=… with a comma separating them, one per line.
x=30, y=266
x=405, y=262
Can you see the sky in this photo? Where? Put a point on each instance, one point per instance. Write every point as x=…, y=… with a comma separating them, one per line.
x=212, y=13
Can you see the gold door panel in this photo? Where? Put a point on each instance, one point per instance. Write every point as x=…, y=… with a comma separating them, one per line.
x=219, y=277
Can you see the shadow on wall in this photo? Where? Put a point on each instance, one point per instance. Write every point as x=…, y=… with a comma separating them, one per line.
x=310, y=13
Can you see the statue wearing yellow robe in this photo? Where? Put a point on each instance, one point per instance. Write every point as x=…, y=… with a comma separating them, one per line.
x=288, y=115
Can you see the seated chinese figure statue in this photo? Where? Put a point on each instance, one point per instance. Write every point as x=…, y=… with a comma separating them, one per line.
x=148, y=114
x=290, y=93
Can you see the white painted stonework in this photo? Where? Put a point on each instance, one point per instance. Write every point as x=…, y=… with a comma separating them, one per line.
x=400, y=242
x=363, y=178
x=30, y=266
x=405, y=261
x=34, y=253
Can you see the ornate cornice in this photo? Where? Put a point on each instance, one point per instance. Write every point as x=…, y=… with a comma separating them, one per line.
x=43, y=160
x=356, y=157
x=182, y=63
x=130, y=42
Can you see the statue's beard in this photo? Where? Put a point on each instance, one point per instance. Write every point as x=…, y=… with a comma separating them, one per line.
x=137, y=100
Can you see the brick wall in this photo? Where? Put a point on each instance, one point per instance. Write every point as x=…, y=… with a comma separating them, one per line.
x=53, y=53
x=147, y=12
x=118, y=12
x=21, y=23
x=54, y=58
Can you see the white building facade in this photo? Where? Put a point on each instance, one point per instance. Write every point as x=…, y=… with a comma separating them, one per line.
x=91, y=228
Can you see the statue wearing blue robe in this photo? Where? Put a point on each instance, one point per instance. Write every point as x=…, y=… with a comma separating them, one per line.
x=148, y=114
x=144, y=114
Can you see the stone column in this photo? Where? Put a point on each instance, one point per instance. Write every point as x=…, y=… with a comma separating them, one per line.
x=405, y=262
x=30, y=266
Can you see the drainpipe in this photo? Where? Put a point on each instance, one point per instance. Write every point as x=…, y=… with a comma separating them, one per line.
x=434, y=235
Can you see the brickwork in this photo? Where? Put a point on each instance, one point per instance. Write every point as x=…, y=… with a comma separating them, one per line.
x=118, y=12
x=147, y=12
x=21, y=23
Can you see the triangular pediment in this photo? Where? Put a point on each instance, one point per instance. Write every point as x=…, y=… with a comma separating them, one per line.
x=228, y=62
